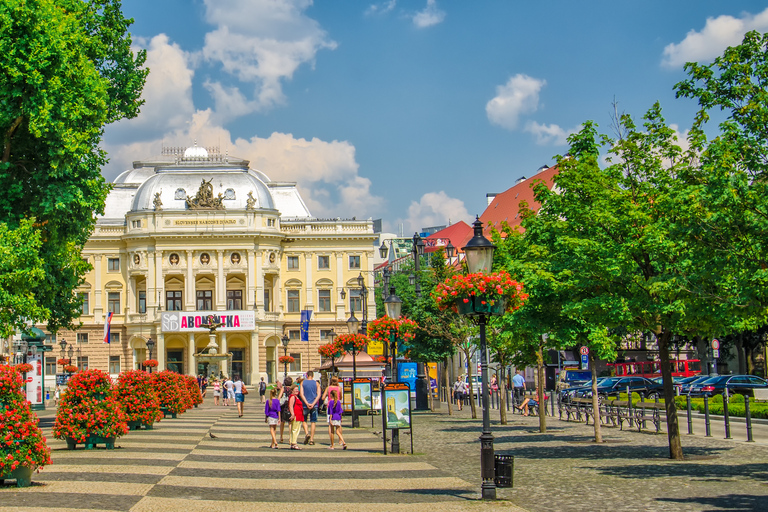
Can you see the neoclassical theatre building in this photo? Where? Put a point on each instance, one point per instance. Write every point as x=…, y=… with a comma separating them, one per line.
x=194, y=233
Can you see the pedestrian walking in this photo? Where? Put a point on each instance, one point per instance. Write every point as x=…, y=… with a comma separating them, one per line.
x=203, y=385
x=494, y=390
x=272, y=415
x=56, y=395
x=299, y=382
x=216, y=391
x=310, y=397
x=297, y=416
x=285, y=412
x=333, y=386
x=229, y=391
x=336, y=411
x=518, y=381
x=239, y=388
x=262, y=389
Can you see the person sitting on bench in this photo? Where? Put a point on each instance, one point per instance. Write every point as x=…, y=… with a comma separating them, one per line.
x=528, y=402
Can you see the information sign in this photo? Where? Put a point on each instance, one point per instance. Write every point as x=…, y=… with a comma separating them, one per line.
x=397, y=406
x=584, y=362
x=715, y=353
x=362, y=397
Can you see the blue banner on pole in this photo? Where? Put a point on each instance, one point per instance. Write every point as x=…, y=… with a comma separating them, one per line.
x=306, y=314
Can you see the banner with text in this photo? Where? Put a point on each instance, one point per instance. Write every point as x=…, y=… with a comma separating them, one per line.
x=192, y=321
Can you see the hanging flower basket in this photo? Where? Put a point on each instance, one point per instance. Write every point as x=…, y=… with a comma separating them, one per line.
x=286, y=360
x=71, y=369
x=64, y=362
x=150, y=363
x=350, y=342
x=475, y=294
x=381, y=359
x=382, y=329
x=24, y=367
x=330, y=350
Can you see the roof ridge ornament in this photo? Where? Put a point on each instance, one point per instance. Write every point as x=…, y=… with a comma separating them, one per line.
x=204, y=199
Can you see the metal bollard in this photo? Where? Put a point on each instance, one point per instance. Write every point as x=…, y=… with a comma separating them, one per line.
x=506, y=391
x=706, y=417
x=629, y=401
x=642, y=404
x=748, y=414
x=690, y=421
x=726, y=415
x=658, y=424
x=552, y=401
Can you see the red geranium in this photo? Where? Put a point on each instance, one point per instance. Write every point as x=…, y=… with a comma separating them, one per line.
x=489, y=288
x=286, y=360
x=71, y=369
x=171, y=391
x=331, y=350
x=356, y=341
x=137, y=395
x=193, y=390
x=90, y=408
x=24, y=367
x=64, y=362
x=21, y=440
x=382, y=328
x=150, y=363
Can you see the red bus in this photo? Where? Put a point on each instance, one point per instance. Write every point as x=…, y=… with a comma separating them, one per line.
x=651, y=369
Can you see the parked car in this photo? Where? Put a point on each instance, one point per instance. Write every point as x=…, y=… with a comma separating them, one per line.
x=734, y=384
x=612, y=386
x=685, y=388
x=677, y=382
x=477, y=384
x=573, y=377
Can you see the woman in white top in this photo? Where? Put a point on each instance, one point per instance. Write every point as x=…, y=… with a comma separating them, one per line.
x=239, y=395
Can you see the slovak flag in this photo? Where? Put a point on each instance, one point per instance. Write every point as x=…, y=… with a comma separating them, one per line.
x=107, y=326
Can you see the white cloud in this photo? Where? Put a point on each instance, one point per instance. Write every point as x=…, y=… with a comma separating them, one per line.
x=431, y=15
x=167, y=92
x=261, y=49
x=717, y=34
x=520, y=95
x=381, y=8
x=549, y=134
x=434, y=209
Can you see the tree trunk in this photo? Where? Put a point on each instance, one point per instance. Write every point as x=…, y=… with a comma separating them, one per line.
x=540, y=397
x=673, y=426
x=448, y=390
x=471, y=387
x=740, y=353
x=595, y=399
x=502, y=381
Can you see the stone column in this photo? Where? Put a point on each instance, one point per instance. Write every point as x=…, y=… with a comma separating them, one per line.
x=250, y=281
x=277, y=292
x=223, y=342
x=309, y=299
x=255, y=368
x=221, y=284
x=131, y=302
x=98, y=296
x=159, y=353
x=159, y=280
x=189, y=285
x=340, y=306
x=151, y=292
x=259, y=280
x=191, y=349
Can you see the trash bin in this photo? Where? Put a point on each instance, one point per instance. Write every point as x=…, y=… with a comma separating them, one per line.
x=505, y=466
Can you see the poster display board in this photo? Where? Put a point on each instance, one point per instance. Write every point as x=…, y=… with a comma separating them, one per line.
x=396, y=409
x=362, y=395
x=35, y=379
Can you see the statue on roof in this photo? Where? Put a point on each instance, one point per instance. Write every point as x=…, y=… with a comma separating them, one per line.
x=250, y=203
x=204, y=199
x=157, y=203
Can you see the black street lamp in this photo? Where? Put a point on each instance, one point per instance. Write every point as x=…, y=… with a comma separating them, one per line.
x=331, y=335
x=353, y=324
x=393, y=306
x=422, y=383
x=150, y=347
x=479, y=257
x=285, y=339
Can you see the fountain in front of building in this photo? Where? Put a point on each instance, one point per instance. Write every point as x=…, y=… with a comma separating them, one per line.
x=218, y=364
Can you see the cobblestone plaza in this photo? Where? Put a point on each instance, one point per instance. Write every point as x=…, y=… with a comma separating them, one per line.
x=178, y=466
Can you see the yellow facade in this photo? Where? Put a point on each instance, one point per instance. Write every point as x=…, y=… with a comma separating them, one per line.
x=170, y=263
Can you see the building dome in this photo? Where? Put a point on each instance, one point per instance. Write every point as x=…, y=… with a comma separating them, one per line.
x=173, y=187
x=196, y=152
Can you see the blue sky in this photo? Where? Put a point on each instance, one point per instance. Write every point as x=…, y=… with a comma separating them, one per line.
x=410, y=111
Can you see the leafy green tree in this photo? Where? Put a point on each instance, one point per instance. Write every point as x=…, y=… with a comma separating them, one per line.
x=67, y=71
x=614, y=235
x=21, y=272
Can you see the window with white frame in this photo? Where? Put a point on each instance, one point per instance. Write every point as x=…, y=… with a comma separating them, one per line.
x=293, y=263
x=113, y=264
x=294, y=305
x=324, y=300
x=354, y=262
x=323, y=262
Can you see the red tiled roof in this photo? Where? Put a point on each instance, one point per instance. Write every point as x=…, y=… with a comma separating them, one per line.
x=506, y=206
x=458, y=234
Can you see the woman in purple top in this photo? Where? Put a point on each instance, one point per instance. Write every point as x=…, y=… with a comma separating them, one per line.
x=272, y=413
x=335, y=412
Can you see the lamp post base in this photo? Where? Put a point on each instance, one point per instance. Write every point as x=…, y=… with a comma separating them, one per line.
x=422, y=388
x=487, y=466
x=395, y=441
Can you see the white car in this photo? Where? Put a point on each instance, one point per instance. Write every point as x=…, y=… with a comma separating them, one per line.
x=477, y=384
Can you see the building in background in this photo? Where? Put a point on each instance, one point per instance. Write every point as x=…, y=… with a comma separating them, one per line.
x=194, y=233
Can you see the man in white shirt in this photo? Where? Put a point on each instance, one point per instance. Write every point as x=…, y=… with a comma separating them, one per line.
x=229, y=387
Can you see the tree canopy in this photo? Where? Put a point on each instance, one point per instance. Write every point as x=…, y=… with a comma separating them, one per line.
x=68, y=70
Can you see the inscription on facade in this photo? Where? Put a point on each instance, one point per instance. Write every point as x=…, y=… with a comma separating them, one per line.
x=204, y=222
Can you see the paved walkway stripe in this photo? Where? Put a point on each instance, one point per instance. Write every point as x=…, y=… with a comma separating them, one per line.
x=316, y=484
x=110, y=488
x=255, y=466
x=107, y=468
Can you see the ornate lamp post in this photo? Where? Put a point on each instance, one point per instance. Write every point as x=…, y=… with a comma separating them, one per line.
x=285, y=341
x=150, y=347
x=353, y=324
x=479, y=256
x=393, y=305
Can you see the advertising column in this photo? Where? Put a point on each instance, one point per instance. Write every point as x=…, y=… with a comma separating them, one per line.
x=35, y=380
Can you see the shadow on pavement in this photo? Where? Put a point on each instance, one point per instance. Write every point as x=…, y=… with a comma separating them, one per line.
x=717, y=472
x=733, y=502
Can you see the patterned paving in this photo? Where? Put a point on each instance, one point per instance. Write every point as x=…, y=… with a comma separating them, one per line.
x=178, y=466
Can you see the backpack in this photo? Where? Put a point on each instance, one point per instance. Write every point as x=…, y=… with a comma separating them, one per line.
x=262, y=386
x=285, y=411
